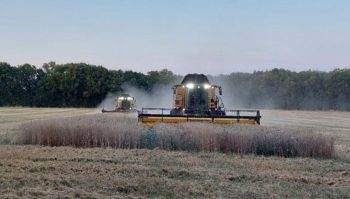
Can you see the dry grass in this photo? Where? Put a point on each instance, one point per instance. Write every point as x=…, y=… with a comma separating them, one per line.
x=84, y=131
x=12, y=117
x=124, y=133
x=244, y=139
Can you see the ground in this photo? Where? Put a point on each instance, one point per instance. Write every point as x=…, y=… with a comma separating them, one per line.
x=59, y=172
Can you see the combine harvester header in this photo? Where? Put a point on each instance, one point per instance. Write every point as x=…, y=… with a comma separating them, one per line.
x=196, y=100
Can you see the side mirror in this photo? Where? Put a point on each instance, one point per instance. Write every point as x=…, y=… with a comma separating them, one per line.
x=220, y=90
x=174, y=90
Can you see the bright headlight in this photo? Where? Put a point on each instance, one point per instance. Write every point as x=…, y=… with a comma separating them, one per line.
x=190, y=85
x=206, y=86
x=121, y=98
x=129, y=98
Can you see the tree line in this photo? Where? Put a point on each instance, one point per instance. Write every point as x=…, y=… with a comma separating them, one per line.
x=85, y=85
x=69, y=85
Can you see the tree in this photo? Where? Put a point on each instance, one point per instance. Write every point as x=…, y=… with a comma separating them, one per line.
x=49, y=66
x=7, y=84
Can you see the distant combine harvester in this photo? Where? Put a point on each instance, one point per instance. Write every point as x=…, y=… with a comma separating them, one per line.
x=123, y=103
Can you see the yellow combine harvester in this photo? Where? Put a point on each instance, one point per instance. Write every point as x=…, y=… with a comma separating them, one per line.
x=123, y=103
x=196, y=100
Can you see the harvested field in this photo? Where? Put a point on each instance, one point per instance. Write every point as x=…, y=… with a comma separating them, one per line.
x=59, y=172
x=326, y=120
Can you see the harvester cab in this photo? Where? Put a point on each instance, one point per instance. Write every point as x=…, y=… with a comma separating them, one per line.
x=195, y=99
x=196, y=96
x=123, y=103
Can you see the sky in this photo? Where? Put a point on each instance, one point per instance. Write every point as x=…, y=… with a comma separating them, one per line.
x=185, y=36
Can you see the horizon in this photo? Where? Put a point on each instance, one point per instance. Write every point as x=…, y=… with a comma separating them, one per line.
x=184, y=36
x=183, y=74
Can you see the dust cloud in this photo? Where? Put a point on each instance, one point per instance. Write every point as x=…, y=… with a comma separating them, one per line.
x=233, y=96
x=161, y=96
x=109, y=102
x=239, y=95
